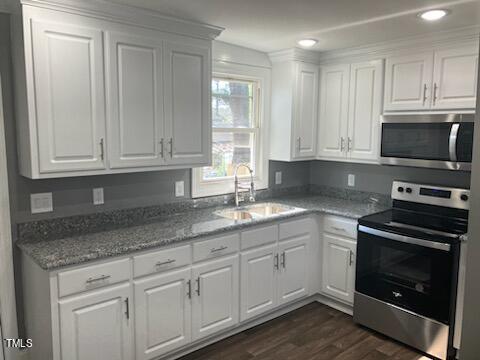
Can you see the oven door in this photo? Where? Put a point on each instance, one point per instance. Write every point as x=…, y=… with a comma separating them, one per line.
x=411, y=273
x=445, y=145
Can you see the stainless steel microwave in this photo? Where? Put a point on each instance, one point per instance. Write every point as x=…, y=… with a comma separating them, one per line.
x=442, y=141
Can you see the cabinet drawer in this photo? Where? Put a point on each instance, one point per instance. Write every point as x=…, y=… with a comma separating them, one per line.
x=258, y=237
x=340, y=226
x=216, y=247
x=295, y=228
x=161, y=260
x=91, y=277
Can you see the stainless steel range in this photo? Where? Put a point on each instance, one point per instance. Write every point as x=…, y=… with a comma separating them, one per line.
x=407, y=266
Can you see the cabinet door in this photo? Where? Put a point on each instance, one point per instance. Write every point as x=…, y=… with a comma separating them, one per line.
x=258, y=279
x=96, y=325
x=305, y=117
x=69, y=97
x=333, y=118
x=162, y=313
x=187, y=104
x=215, y=300
x=136, y=119
x=366, y=83
x=338, y=267
x=408, y=81
x=455, y=78
x=293, y=274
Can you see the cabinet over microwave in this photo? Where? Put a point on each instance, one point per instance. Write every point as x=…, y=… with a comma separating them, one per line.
x=442, y=141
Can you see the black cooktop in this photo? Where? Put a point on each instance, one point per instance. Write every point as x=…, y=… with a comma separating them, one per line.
x=441, y=226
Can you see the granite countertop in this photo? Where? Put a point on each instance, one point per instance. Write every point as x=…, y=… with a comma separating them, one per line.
x=51, y=254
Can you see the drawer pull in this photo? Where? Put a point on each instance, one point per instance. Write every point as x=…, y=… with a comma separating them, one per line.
x=99, y=278
x=214, y=250
x=161, y=263
x=338, y=228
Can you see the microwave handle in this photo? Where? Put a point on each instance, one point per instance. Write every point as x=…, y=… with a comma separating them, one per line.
x=452, y=141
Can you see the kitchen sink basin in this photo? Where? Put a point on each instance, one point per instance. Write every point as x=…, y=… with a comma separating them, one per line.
x=254, y=211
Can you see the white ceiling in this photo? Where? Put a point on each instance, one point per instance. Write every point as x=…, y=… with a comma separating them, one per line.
x=269, y=25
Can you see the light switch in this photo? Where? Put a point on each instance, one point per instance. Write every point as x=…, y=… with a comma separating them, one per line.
x=179, y=188
x=278, y=177
x=351, y=180
x=41, y=203
x=98, y=196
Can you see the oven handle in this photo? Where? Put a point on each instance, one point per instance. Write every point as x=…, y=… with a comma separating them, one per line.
x=452, y=142
x=405, y=239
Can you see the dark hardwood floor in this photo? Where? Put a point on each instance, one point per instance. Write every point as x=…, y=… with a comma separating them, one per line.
x=313, y=332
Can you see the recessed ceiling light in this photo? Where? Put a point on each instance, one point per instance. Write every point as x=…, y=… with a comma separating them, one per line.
x=433, y=15
x=307, y=42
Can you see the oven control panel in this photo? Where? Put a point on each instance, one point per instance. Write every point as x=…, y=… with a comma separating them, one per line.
x=431, y=194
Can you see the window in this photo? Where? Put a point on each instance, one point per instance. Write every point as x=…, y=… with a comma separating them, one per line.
x=236, y=136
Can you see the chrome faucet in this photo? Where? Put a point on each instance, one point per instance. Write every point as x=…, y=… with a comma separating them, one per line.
x=238, y=197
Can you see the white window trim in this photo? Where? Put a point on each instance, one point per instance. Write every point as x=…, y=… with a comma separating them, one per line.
x=202, y=188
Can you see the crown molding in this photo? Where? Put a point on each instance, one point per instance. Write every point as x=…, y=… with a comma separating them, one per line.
x=130, y=15
x=465, y=35
x=295, y=54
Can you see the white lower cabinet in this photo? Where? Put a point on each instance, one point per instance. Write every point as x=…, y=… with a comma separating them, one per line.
x=215, y=302
x=339, y=267
x=96, y=325
x=162, y=313
x=258, y=281
x=293, y=277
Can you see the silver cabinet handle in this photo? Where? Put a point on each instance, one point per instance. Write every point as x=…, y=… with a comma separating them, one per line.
x=338, y=228
x=214, y=250
x=170, y=142
x=299, y=142
x=352, y=254
x=435, y=88
x=189, y=289
x=342, y=144
x=162, y=150
x=166, y=262
x=397, y=294
x=424, y=94
x=452, y=142
x=102, y=149
x=198, y=286
x=349, y=144
x=98, y=278
x=127, y=308
x=284, y=261
x=275, y=262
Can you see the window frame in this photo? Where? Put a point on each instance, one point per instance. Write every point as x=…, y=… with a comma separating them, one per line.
x=261, y=77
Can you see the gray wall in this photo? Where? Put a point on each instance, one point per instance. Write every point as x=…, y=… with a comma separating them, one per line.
x=377, y=178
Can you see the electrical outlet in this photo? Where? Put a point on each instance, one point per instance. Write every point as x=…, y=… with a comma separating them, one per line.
x=278, y=177
x=351, y=180
x=98, y=196
x=41, y=203
x=179, y=188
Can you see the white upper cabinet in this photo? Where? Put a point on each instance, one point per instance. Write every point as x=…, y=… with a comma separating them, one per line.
x=350, y=108
x=365, y=103
x=437, y=80
x=293, y=129
x=101, y=97
x=187, y=104
x=69, y=97
x=305, y=120
x=408, y=82
x=136, y=121
x=455, y=78
x=333, y=118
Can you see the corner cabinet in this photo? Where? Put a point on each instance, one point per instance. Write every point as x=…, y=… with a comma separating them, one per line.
x=103, y=98
x=439, y=80
x=294, y=110
x=350, y=108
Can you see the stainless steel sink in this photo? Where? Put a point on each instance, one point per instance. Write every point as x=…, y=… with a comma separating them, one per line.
x=255, y=211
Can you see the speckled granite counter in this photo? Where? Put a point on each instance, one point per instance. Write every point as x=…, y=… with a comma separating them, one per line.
x=176, y=227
